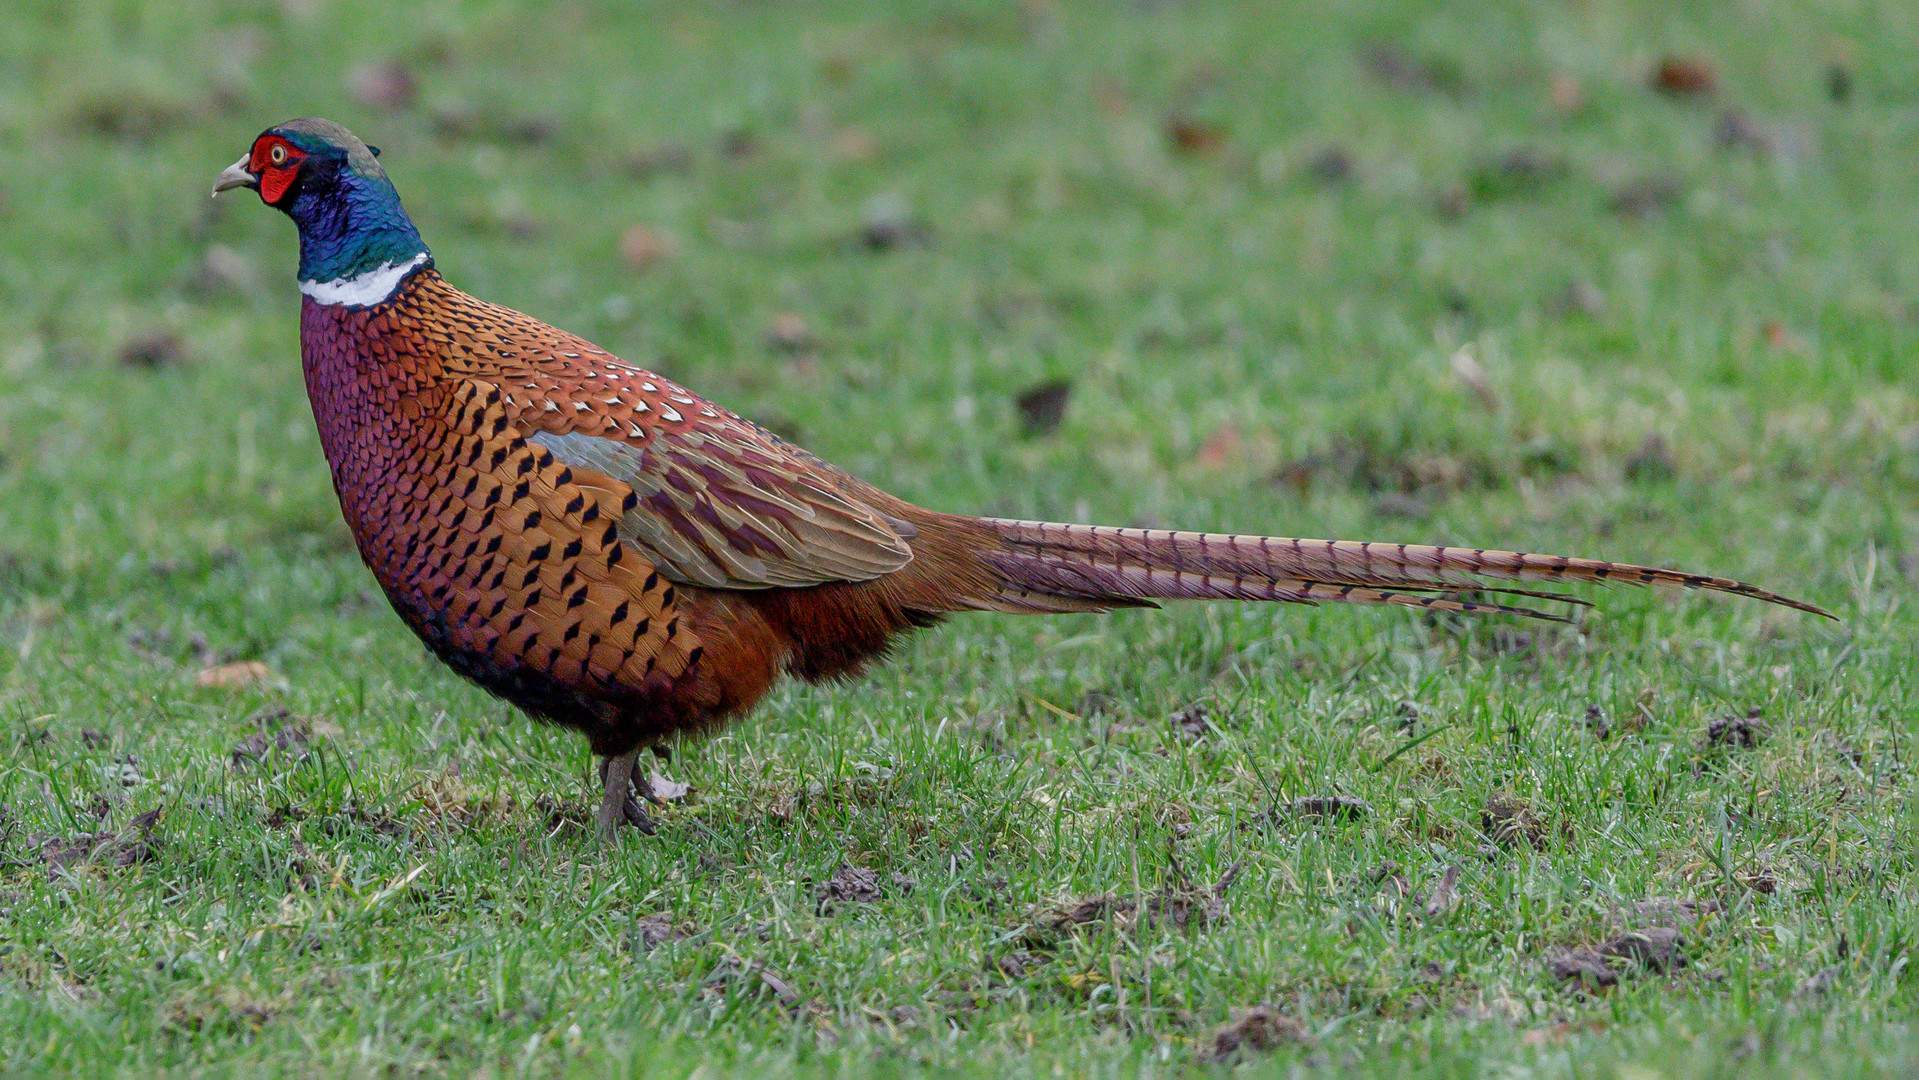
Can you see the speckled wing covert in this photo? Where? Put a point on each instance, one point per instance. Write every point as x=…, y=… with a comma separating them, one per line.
x=718, y=502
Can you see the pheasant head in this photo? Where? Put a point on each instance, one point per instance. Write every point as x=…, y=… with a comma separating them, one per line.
x=356, y=241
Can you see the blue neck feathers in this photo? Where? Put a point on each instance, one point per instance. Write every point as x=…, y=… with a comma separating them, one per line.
x=351, y=226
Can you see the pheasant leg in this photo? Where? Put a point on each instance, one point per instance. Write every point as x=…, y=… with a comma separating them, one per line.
x=617, y=772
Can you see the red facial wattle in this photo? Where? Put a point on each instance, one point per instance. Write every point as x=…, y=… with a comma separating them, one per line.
x=274, y=183
x=276, y=162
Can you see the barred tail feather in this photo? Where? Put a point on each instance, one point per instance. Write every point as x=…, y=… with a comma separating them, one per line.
x=1094, y=565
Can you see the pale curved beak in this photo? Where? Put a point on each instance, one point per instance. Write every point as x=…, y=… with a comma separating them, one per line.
x=235, y=175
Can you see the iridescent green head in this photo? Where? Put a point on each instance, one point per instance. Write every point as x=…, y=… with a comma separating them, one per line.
x=332, y=186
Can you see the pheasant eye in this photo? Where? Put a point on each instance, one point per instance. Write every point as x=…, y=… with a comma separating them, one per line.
x=277, y=155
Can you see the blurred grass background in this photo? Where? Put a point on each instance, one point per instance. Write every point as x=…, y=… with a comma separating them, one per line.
x=1630, y=280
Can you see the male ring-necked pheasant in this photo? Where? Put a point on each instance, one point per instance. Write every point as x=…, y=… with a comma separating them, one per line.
x=610, y=551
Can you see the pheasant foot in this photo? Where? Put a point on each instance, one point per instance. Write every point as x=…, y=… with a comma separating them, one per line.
x=617, y=804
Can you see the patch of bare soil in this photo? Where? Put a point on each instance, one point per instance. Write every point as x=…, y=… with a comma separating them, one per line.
x=1260, y=1029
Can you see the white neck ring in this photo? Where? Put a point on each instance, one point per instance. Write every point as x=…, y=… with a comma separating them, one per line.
x=362, y=290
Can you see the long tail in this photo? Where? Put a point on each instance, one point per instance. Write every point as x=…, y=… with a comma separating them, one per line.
x=1047, y=566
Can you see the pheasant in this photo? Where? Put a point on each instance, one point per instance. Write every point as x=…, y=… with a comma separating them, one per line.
x=607, y=550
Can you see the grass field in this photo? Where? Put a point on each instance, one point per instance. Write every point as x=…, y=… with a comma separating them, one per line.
x=1411, y=274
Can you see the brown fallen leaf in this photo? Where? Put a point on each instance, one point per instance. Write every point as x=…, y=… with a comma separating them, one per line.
x=1685, y=76
x=1782, y=337
x=1192, y=136
x=888, y=221
x=1332, y=166
x=1646, y=197
x=1221, y=448
x=1397, y=68
x=1819, y=983
x=645, y=162
x=1058, y=919
x=127, y=847
x=1016, y=964
x=1472, y=375
x=1445, y=895
x=642, y=246
x=1568, y=95
x=280, y=732
x=1579, y=297
x=789, y=332
x=1838, y=82
x=237, y=675
x=849, y=884
x=1185, y=906
x=734, y=968
x=1192, y=723
x=1653, y=462
x=661, y=788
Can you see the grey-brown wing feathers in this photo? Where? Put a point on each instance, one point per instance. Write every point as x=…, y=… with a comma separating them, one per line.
x=717, y=513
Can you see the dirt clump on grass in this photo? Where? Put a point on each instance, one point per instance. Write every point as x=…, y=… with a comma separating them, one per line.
x=1650, y=936
x=1327, y=808
x=849, y=885
x=114, y=848
x=1180, y=904
x=1197, y=722
x=202, y=1012
x=280, y=734
x=1507, y=820
x=1657, y=949
x=448, y=801
x=736, y=974
x=1740, y=732
x=1260, y=1029
x=652, y=931
x=1665, y=911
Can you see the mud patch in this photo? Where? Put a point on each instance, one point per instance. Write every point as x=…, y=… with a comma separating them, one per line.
x=652, y=931
x=1327, y=808
x=849, y=885
x=1737, y=732
x=204, y=1012
x=1195, y=722
x=1507, y=820
x=1665, y=911
x=737, y=974
x=1260, y=1029
x=1657, y=949
x=280, y=735
x=1180, y=904
x=119, y=849
x=1042, y=407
